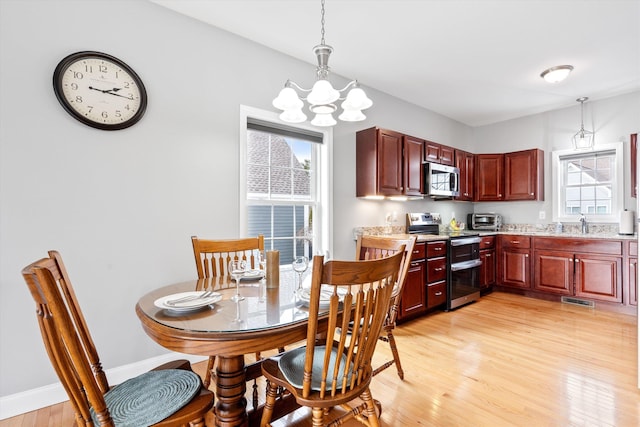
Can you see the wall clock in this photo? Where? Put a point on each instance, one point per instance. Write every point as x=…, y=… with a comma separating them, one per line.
x=100, y=90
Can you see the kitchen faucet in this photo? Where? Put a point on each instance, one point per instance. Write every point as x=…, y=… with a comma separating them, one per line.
x=583, y=220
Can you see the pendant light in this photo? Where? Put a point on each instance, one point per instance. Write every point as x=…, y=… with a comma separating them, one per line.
x=583, y=139
x=322, y=97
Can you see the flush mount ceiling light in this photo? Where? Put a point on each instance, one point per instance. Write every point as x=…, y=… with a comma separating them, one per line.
x=556, y=74
x=322, y=97
x=583, y=139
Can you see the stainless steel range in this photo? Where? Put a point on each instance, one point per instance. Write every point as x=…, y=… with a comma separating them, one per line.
x=463, y=259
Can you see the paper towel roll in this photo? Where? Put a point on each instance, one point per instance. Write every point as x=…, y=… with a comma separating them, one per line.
x=627, y=218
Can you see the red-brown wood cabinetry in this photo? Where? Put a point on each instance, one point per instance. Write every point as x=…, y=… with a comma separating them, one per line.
x=465, y=162
x=515, y=261
x=413, y=301
x=436, y=273
x=438, y=153
x=489, y=174
x=632, y=272
x=388, y=163
x=524, y=175
x=488, y=258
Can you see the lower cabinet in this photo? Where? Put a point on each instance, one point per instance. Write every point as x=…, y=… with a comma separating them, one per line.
x=585, y=268
x=414, y=299
x=488, y=258
x=515, y=261
x=436, y=273
x=632, y=273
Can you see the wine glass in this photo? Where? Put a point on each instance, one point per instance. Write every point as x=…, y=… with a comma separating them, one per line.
x=300, y=265
x=237, y=269
x=262, y=259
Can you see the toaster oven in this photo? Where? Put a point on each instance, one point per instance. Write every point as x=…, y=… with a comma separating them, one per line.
x=484, y=221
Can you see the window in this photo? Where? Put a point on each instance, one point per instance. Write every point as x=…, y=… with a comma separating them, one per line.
x=589, y=183
x=284, y=183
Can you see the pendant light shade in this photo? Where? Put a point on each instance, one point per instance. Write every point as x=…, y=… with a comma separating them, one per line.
x=322, y=97
x=583, y=139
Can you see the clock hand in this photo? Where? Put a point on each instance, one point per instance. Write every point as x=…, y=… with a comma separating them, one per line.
x=117, y=94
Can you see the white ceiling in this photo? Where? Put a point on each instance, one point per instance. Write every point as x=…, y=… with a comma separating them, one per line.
x=476, y=61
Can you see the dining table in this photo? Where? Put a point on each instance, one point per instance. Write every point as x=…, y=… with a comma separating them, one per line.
x=266, y=319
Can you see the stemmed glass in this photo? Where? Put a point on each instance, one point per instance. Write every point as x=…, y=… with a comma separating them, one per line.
x=300, y=265
x=237, y=269
x=262, y=259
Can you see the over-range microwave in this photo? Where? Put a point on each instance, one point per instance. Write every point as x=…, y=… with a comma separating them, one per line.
x=441, y=180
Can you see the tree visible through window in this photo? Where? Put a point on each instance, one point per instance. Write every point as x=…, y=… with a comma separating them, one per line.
x=280, y=190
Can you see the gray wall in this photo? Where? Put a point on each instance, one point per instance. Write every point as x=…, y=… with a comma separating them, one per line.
x=121, y=206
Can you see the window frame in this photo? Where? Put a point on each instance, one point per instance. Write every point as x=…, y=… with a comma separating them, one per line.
x=617, y=198
x=322, y=180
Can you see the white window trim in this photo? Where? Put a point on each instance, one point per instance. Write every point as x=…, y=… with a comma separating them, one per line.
x=324, y=213
x=617, y=202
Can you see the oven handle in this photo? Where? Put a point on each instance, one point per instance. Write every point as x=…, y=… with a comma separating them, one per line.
x=465, y=241
x=465, y=265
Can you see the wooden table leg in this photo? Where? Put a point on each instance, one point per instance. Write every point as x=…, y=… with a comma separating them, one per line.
x=231, y=405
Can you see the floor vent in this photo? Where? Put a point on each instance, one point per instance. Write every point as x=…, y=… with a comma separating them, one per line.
x=578, y=301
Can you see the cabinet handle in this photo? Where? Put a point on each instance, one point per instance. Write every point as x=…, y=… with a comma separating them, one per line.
x=438, y=269
x=515, y=242
x=531, y=194
x=437, y=249
x=415, y=252
x=438, y=293
x=576, y=260
x=499, y=195
x=526, y=255
x=488, y=255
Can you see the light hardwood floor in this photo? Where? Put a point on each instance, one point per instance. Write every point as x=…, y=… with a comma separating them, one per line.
x=504, y=360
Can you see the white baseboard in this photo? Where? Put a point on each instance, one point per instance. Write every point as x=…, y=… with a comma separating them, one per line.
x=31, y=400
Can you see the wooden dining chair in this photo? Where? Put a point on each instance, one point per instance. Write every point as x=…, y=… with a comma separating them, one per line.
x=335, y=370
x=212, y=260
x=179, y=397
x=372, y=247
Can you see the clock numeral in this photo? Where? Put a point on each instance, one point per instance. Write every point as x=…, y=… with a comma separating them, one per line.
x=118, y=113
x=88, y=68
x=105, y=115
x=74, y=86
x=103, y=69
x=79, y=99
x=77, y=75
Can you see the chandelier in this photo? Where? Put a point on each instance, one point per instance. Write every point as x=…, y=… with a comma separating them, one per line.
x=583, y=139
x=322, y=97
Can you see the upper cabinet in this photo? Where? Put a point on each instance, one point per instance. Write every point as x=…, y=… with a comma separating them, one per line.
x=524, y=175
x=511, y=176
x=465, y=162
x=388, y=163
x=489, y=173
x=437, y=153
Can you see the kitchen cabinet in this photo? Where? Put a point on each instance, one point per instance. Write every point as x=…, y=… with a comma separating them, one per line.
x=584, y=268
x=413, y=301
x=488, y=258
x=489, y=177
x=465, y=162
x=518, y=175
x=434, y=152
x=524, y=175
x=632, y=273
x=515, y=261
x=436, y=273
x=388, y=163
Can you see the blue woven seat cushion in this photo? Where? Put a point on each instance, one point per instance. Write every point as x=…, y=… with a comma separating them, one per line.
x=150, y=397
x=291, y=365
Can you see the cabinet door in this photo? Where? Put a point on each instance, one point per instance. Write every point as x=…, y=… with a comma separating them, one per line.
x=431, y=152
x=489, y=173
x=446, y=155
x=436, y=269
x=413, y=301
x=523, y=179
x=436, y=294
x=633, y=281
x=553, y=272
x=516, y=268
x=488, y=268
x=599, y=277
x=413, y=148
x=390, y=176
x=465, y=162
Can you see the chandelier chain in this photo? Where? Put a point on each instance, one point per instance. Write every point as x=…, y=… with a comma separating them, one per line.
x=322, y=22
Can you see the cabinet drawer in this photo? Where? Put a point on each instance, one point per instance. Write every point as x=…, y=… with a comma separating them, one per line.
x=595, y=246
x=436, y=249
x=487, y=242
x=522, y=242
x=436, y=269
x=436, y=294
x=419, y=251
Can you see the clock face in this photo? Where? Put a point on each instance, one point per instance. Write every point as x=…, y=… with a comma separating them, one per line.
x=100, y=90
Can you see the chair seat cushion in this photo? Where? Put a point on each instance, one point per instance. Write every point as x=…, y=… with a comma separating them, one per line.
x=291, y=364
x=150, y=397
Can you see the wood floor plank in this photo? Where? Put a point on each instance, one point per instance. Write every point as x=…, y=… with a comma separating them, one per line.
x=505, y=360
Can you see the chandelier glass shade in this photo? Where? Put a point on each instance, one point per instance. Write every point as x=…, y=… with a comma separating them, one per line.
x=583, y=139
x=322, y=97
